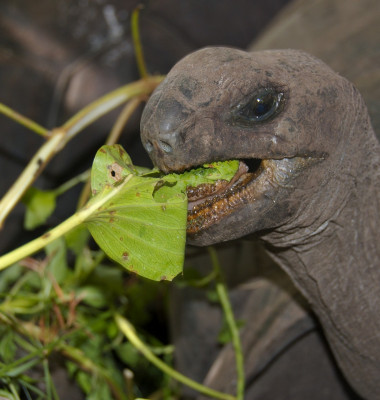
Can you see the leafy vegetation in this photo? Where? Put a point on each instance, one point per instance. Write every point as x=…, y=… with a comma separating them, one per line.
x=69, y=308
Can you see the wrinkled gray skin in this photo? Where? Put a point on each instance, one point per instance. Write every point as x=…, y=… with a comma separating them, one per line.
x=315, y=204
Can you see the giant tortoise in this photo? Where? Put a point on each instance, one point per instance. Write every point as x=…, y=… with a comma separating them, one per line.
x=307, y=189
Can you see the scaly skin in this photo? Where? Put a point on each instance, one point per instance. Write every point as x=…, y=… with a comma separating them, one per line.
x=315, y=201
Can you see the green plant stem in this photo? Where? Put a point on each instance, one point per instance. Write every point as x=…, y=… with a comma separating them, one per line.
x=137, y=42
x=60, y=136
x=22, y=120
x=60, y=230
x=27, y=177
x=83, y=177
x=122, y=119
x=14, y=391
x=109, y=102
x=228, y=313
x=129, y=331
x=113, y=137
x=35, y=355
x=87, y=364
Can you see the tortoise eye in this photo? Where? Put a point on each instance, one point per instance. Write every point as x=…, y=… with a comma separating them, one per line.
x=264, y=105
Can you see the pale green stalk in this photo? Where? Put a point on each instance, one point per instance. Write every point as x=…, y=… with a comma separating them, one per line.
x=60, y=230
x=22, y=120
x=129, y=331
x=83, y=177
x=108, y=102
x=60, y=136
x=33, y=169
x=137, y=42
x=229, y=316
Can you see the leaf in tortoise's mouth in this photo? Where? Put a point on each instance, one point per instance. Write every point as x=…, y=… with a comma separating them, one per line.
x=212, y=201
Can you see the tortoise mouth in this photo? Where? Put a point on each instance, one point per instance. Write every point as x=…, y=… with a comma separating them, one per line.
x=208, y=203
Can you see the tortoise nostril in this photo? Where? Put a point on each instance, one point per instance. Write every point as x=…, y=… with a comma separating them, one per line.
x=149, y=146
x=166, y=147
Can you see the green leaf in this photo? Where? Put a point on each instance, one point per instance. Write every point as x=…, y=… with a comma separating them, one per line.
x=29, y=303
x=40, y=204
x=139, y=233
x=143, y=225
x=209, y=173
x=128, y=354
x=77, y=239
x=93, y=296
x=4, y=394
x=111, y=165
x=57, y=264
x=7, y=344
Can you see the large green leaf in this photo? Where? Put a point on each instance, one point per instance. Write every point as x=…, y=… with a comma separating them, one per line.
x=133, y=228
x=141, y=223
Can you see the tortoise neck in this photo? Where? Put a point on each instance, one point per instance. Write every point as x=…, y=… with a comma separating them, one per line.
x=336, y=265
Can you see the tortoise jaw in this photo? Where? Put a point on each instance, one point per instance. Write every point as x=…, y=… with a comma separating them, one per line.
x=210, y=203
x=258, y=201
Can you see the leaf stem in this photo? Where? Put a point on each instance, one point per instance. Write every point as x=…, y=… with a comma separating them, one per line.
x=228, y=313
x=108, y=102
x=137, y=42
x=113, y=137
x=122, y=119
x=22, y=120
x=60, y=230
x=59, y=137
x=129, y=331
x=83, y=177
x=33, y=169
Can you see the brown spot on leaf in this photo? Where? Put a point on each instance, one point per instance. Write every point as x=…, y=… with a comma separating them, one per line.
x=121, y=238
x=138, y=194
x=163, y=278
x=103, y=151
x=125, y=257
x=163, y=208
x=115, y=171
x=111, y=220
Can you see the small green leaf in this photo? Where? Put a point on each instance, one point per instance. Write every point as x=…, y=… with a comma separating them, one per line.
x=40, y=204
x=7, y=345
x=57, y=263
x=77, y=239
x=19, y=369
x=22, y=304
x=128, y=354
x=93, y=296
x=4, y=394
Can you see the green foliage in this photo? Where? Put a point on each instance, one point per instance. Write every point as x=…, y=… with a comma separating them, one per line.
x=66, y=301
x=74, y=315
x=65, y=307
x=143, y=227
x=40, y=205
